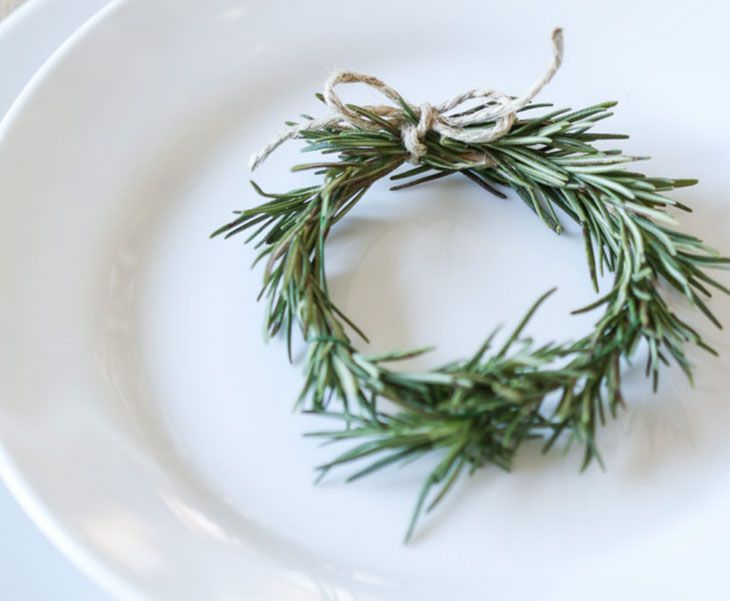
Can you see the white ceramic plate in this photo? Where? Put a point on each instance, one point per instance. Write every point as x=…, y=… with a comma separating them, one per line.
x=147, y=427
x=27, y=38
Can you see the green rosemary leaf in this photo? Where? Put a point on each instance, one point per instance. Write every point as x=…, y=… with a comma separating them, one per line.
x=481, y=409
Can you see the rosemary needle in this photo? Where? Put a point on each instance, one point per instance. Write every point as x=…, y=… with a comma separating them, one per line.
x=481, y=409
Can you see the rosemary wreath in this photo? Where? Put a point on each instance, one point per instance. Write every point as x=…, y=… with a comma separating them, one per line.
x=479, y=410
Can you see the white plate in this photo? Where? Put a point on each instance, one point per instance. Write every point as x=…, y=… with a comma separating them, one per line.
x=30, y=34
x=147, y=427
x=27, y=38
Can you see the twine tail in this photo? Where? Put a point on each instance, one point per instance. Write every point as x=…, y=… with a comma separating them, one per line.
x=500, y=110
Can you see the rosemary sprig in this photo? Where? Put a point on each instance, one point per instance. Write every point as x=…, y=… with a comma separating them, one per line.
x=480, y=410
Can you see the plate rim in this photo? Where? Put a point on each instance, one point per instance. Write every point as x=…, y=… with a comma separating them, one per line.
x=32, y=504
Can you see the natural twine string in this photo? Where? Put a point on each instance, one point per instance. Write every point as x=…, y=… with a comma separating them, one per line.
x=498, y=108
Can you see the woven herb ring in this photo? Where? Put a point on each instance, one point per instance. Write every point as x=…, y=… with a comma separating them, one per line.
x=479, y=410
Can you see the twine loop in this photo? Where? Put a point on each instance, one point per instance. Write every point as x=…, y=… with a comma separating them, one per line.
x=496, y=109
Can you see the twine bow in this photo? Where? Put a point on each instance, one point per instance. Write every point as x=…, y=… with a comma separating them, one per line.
x=498, y=109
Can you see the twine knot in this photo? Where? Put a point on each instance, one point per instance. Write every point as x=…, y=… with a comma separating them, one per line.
x=413, y=135
x=497, y=110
